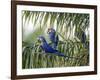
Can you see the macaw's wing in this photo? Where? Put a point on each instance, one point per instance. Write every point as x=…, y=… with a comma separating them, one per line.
x=83, y=38
x=56, y=39
x=55, y=43
x=52, y=36
x=48, y=49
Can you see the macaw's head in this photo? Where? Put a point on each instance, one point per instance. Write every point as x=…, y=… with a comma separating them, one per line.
x=41, y=39
x=50, y=30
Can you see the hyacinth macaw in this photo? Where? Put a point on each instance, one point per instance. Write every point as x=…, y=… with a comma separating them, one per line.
x=53, y=37
x=83, y=39
x=47, y=48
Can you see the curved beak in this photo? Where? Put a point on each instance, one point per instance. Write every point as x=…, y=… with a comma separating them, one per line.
x=38, y=39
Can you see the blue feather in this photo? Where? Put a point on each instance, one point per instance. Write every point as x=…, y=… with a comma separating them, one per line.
x=48, y=49
x=53, y=37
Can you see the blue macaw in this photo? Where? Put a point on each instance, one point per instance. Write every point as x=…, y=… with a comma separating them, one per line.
x=53, y=37
x=47, y=48
x=83, y=39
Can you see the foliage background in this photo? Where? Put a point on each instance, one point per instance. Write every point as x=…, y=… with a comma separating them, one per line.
x=69, y=27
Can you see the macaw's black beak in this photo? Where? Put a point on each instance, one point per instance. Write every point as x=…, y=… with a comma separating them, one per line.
x=38, y=39
x=48, y=32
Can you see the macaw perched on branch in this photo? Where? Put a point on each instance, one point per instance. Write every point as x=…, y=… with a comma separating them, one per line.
x=83, y=39
x=53, y=37
x=47, y=48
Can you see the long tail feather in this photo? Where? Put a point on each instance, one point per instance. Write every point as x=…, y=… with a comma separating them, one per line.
x=61, y=54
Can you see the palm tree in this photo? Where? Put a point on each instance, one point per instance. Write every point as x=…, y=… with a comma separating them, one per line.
x=69, y=27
